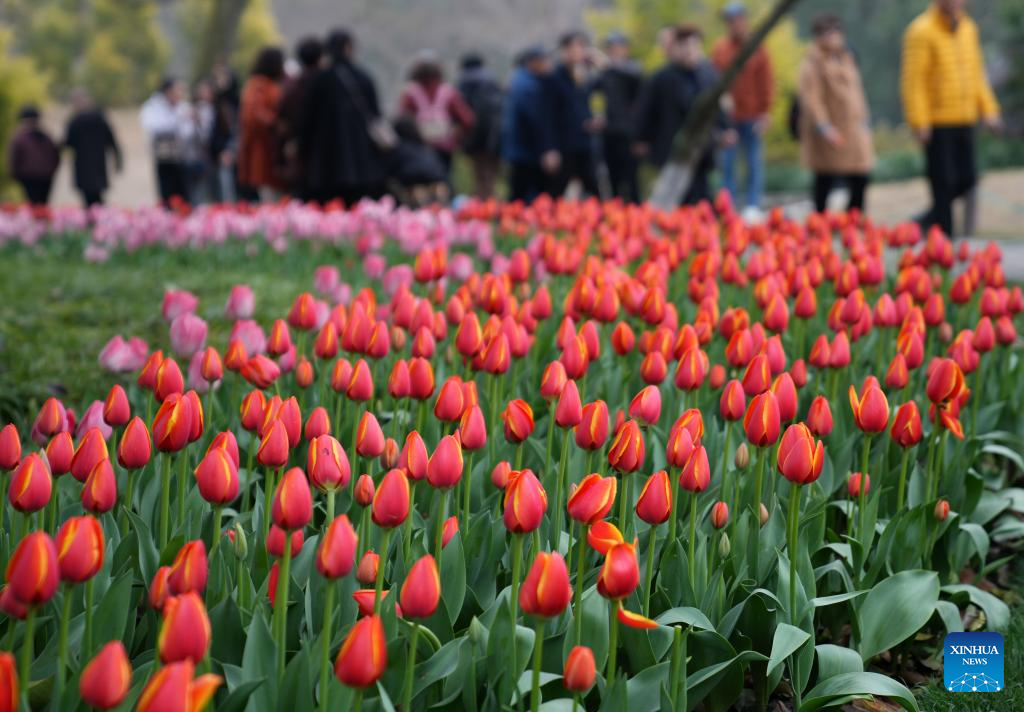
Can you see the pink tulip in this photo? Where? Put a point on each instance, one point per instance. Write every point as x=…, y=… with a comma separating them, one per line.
x=93, y=418
x=251, y=335
x=241, y=302
x=374, y=265
x=195, y=376
x=325, y=279
x=188, y=334
x=178, y=302
x=120, y=356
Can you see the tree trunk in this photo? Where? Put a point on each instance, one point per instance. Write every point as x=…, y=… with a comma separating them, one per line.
x=219, y=34
x=674, y=179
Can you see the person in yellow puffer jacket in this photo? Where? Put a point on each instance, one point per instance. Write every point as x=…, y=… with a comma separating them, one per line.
x=945, y=93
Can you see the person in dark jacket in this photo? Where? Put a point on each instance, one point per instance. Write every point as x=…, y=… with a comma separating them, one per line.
x=666, y=99
x=343, y=160
x=289, y=115
x=33, y=157
x=619, y=83
x=528, y=136
x=571, y=86
x=89, y=137
x=480, y=88
x=224, y=135
x=420, y=172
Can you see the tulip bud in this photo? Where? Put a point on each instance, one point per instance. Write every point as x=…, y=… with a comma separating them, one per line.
x=276, y=539
x=580, y=671
x=217, y=477
x=91, y=449
x=135, y=449
x=169, y=380
x=31, y=485
x=189, y=570
x=620, y=574
x=819, y=416
x=592, y=431
x=337, y=551
x=719, y=515
x=99, y=494
x=569, y=410
x=525, y=502
x=391, y=500
x=449, y=529
x=853, y=484
x=185, y=632
x=696, y=475
x=473, y=429
x=239, y=542
x=364, y=490
x=724, y=545
x=293, y=502
x=500, y=474
x=742, y=457
x=172, y=426
x=518, y=419
x=369, y=436
x=158, y=590
x=59, y=452
x=421, y=378
x=32, y=571
x=654, y=505
x=449, y=404
x=12, y=607
x=172, y=687
x=762, y=420
x=273, y=448
x=444, y=469
x=80, y=548
x=546, y=590
x=105, y=680
x=626, y=453
x=941, y=510
x=364, y=654
x=763, y=514
x=327, y=464
x=906, y=425
x=366, y=572
x=646, y=405
x=592, y=499
x=116, y=410
x=421, y=591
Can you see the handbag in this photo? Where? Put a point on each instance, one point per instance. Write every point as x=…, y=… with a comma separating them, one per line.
x=377, y=127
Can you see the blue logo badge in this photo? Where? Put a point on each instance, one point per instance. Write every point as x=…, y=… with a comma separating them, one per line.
x=974, y=662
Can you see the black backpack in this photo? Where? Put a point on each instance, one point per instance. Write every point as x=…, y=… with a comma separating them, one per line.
x=485, y=97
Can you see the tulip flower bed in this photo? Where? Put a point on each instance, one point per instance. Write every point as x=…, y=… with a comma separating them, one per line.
x=577, y=456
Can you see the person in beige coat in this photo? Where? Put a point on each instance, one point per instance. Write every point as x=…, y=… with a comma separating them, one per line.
x=835, y=138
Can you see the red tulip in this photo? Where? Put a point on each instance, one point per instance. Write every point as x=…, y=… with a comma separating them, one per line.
x=252, y=409
x=646, y=405
x=364, y=654
x=11, y=607
x=190, y=569
x=99, y=494
x=569, y=410
x=59, y=452
x=9, y=695
x=337, y=551
x=592, y=431
x=276, y=539
x=391, y=500
x=626, y=453
x=172, y=426
x=217, y=477
x=364, y=490
x=518, y=420
x=592, y=499
x=719, y=515
x=819, y=416
x=654, y=505
x=421, y=378
x=293, y=502
x=552, y=381
x=757, y=377
x=786, y=395
x=897, y=376
x=327, y=464
x=32, y=571
x=546, y=590
x=444, y=469
x=945, y=381
x=696, y=475
x=31, y=484
x=369, y=436
x=762, y=420
x=421, y=591
x=870, y=410
x=116, y=410
x=273, y=448
x=733, y=402
x=853, y=484
x=185, y=631
x=318, y=423
x=525, y=502
x=449, y=530
x=449, y=404
x=473, y=429
x=135, y=448
x=653, y=369
x=623, y=338
x=105, y=680
x=603, y=535
x=413, y=458
x=941, y=510
x=906, y=426
x=366, y=573
x=800, y=457
x=158, y=590
x=173, y=689
x=168, y=380
x=80, y=548
x=500, y=474
x=91, y=449
x=580, y=671
x=620, y=574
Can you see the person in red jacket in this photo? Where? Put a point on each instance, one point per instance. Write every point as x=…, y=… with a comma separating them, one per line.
x=751, y=93
x=33, y=157
x=258, y=140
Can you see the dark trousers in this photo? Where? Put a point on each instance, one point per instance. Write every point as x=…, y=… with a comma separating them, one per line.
x=952, y=172
x=618, y=158
x=37, y=190
x=700, y=187
x=526, y=181
x=579, y=165
x=92, y=197
x=171, y=181
x=857, y=183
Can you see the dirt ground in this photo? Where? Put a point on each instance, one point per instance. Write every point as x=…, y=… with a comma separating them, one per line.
x=1000, y=214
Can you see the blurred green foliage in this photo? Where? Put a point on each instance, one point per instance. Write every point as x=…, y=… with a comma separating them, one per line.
x=21, y=82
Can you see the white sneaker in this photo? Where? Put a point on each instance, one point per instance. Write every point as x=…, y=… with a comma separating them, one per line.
x=752, y=214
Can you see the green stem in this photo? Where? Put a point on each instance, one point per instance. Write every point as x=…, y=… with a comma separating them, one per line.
x=538, y=647
x=281, y=605
x=215, y=537
x=613, y=640
x=165, y=501
x=182, y=486
x=673, y=522
x=27, y=652
x=330, y=508
x=406, y=526
x=88, y=618
x=269, y=482
x=62, y=643
x=379, y=589
x=862, y=492
x=357, y=703
x=901, y=491
x=563, y=464
x=581, y=549
x=652, y=539
x=325, y=658
x=793, y=524
x=517, y=561
x=677, y=671
x=442, y=513
x=410, y=667
x=467, y=490
x=692, y=543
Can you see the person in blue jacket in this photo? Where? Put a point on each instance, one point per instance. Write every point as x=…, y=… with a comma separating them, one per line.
x=571, y=84
x=529, y=138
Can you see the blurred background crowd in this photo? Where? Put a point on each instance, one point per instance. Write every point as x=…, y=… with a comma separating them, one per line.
x=239, y=102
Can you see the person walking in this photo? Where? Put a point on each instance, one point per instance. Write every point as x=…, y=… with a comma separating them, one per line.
x=571, y=84
x=92, y=142
x=257, y=129
x=200, y=115
x=665, y=101
x=483, y=93
x=945, y=93
x=289, y=115
x=343, y=137
x=32, y=157
x=751, y=95
x=528, y=136
x=440, y=113
x=619, y=84
x=835, y=133
x=224, y=134
x=163, y=119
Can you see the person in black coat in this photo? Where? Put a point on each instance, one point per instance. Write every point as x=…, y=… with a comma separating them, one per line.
x=666, y=100
x=619, y=83
x=570, y=87
x=342, y=159
x=90, y=138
